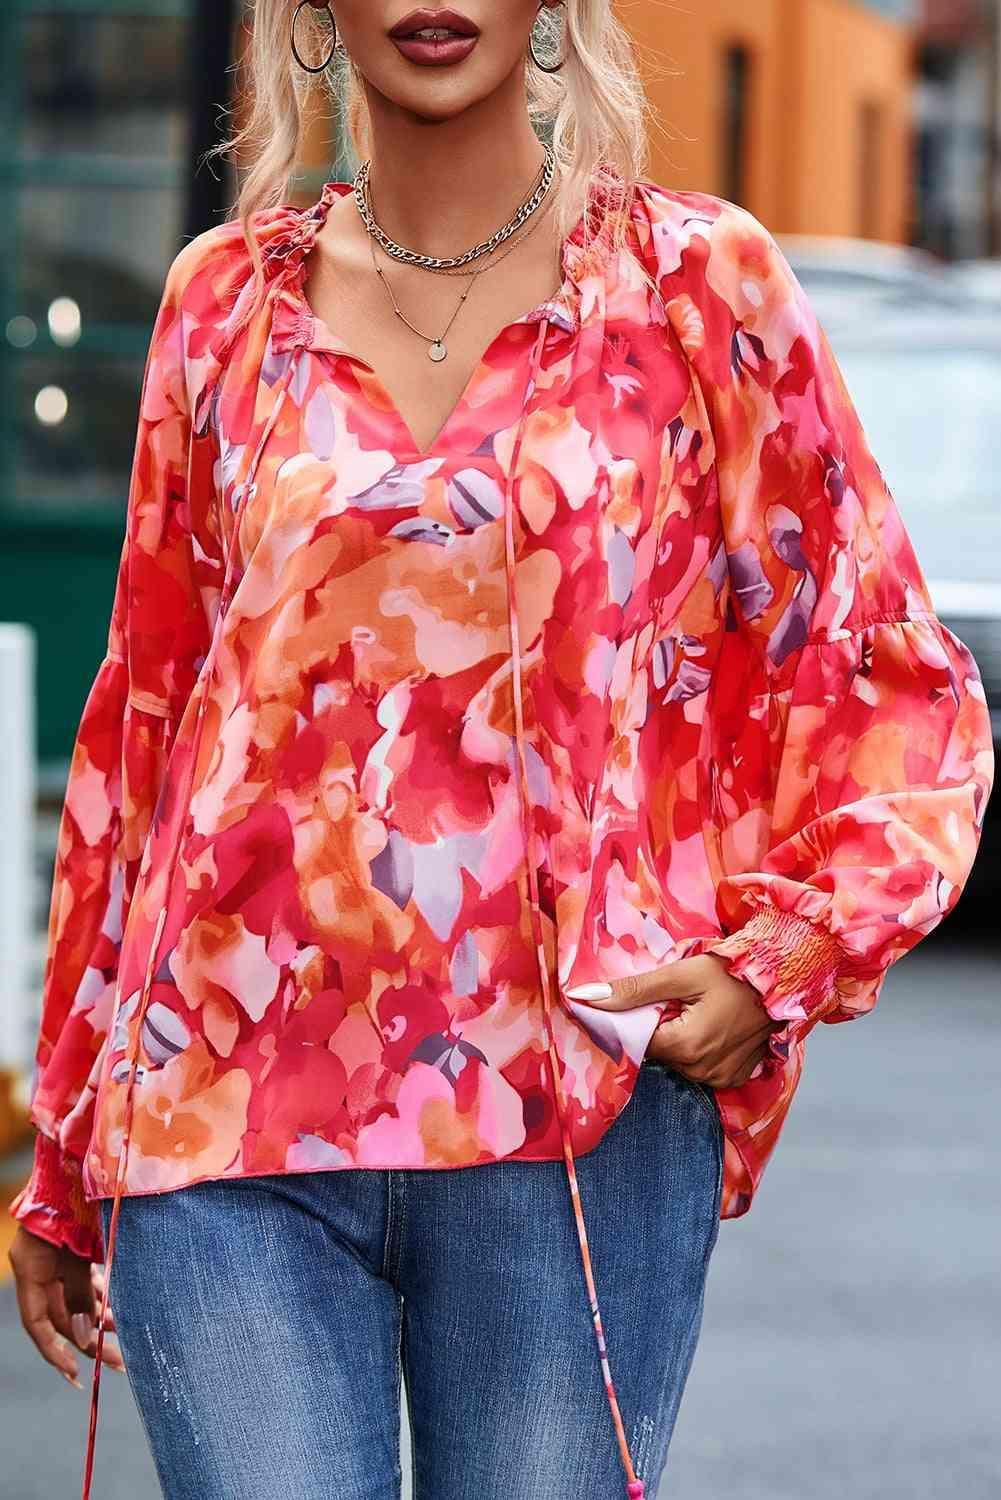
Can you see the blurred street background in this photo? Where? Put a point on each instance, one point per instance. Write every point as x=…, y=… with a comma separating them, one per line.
x=850, y=1340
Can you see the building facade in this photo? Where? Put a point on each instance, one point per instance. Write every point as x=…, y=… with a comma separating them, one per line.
x=797, y=109
x=93, y=158
x=958, y=128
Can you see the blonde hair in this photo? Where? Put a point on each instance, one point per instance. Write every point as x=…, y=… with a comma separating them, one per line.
x=596, y=105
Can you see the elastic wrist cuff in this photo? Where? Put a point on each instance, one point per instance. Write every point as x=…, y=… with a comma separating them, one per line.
x=52, y=1203
x=792, y=962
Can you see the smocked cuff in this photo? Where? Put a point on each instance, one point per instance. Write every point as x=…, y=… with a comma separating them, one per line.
x=792, y=962
x=53, y=1206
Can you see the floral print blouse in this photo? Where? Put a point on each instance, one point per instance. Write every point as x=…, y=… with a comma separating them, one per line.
x=392, y=747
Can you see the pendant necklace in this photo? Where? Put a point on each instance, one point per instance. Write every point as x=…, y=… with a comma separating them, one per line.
x=437, y=348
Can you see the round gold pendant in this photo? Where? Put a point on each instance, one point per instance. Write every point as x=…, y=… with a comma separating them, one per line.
x=437, y=351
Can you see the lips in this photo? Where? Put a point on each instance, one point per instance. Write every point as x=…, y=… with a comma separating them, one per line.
x=447, y=21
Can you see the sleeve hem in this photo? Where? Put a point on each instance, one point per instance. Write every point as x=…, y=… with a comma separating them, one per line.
x=791, y=961
x=52, y=1204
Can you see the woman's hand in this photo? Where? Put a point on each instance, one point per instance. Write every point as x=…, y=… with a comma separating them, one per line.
x=59, y=1293
x=720, y=1036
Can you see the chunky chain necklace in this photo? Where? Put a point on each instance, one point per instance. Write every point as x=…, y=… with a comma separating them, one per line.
x=437, y=348
x=438, y=262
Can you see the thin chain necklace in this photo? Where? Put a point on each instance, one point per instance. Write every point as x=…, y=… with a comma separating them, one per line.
x=475, y=252
x=437, y=348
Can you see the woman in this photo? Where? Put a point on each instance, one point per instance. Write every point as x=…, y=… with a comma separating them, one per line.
x=518, y=728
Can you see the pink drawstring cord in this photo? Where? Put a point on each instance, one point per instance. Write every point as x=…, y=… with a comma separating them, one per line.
x=634, y=1487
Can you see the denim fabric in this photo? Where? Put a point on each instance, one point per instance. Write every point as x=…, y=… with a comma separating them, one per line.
x=265, y=1321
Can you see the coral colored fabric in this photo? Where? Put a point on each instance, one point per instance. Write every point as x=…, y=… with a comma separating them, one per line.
x=295, y=814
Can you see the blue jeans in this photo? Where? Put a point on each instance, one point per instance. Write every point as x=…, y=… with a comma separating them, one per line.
x=265, y=1322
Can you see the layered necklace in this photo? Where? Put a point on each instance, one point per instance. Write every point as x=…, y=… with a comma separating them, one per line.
x=450, y=264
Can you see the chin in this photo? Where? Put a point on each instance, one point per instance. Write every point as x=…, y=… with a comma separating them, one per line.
x=435, y=104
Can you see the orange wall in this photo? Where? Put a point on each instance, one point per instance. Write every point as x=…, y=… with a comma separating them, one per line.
x=850, y=57
x=692, y=40
x=814, y=64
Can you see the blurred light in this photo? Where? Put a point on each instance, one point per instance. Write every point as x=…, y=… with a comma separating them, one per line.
x=64, y=320
x=51, y=405
x=21, y=331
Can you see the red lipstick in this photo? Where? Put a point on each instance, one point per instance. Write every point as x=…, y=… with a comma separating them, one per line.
x=434, y=38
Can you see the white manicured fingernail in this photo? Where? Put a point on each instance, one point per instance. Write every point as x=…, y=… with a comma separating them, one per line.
x=598, y=991
x=83, y=1329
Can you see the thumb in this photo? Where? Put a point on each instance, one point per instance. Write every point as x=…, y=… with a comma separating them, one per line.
x=78, y=1290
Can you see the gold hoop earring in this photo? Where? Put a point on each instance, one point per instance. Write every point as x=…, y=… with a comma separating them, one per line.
x=335, y=45
x=545, y=67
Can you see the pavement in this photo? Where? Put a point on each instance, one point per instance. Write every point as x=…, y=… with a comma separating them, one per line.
x=850, y=1341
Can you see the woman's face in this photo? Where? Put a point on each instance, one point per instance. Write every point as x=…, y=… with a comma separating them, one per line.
x=420, y=85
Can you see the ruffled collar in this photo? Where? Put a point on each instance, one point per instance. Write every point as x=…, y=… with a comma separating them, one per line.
x=294, y=324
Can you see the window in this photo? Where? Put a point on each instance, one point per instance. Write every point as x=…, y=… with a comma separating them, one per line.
x=736, y=92
x=870, y=157
x=93, y=153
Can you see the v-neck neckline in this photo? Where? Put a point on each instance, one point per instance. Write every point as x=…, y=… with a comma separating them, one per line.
x=295, y=323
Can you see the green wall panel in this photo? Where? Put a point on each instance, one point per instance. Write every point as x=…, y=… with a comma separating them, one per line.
x=61, y=582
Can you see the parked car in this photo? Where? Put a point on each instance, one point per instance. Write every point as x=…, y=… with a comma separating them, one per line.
x=980, y=281
x=852, y=280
